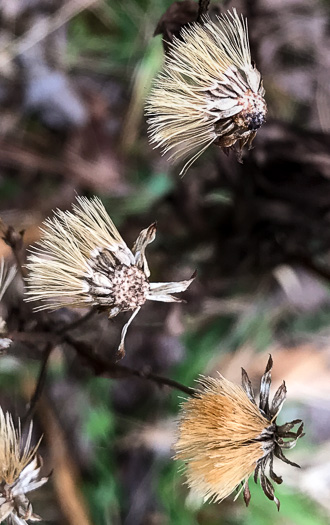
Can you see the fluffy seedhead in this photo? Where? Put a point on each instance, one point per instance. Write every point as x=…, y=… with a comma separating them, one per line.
x=81, y=260
x=209, y=91
x=224, y=437
x=19, y=473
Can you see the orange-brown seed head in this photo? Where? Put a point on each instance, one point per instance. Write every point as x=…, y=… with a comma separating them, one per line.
x=217, y=438
x=224, y=436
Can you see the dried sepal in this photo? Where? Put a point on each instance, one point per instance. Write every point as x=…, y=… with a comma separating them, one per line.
x=145, y=237
x=247, y=385
x=224, y=437
x=265, y=387
x=278, y=400
x=274, y=437
x=246, y=493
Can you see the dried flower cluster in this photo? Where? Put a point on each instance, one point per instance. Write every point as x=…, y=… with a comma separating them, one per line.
x=224, y=437
x=208, y=92
x=82, y=261
x=19, y=473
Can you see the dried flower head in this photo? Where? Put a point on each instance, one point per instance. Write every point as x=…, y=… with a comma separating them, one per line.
x=224, y=436
x=82, y=261
x=208, y=92
x=19, y=473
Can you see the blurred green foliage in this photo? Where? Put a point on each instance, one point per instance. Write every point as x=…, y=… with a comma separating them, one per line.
x=118, y=34
x=101, y=490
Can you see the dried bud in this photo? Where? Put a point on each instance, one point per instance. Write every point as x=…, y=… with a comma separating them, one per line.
x=224, y=437
x=82, y=261
x=19, y=473
x=208, y=92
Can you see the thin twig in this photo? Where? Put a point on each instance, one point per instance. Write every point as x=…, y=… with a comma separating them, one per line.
x=75, y=324
x=33, y=337
x=100, y=365
x=103, y=367
x=160, y=380
x=40, y=384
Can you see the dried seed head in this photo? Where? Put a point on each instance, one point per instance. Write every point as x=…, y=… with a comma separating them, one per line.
x=209, y=91
x=127, y=287
x=224, y=437
x=19, y=472
x=217, y=438
x=81, y=260
x=130, y=287
x=252, y=114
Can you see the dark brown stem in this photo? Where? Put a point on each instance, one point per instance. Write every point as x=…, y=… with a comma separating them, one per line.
x=203, y=7
x=50, y=337
x=100, y=365
x=108, y=368
x=40, y=384
x=160, y=380
x=75, y=324
x=33, y=337
x=251, y=12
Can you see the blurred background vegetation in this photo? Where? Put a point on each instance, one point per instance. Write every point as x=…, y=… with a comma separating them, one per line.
x=73, y=81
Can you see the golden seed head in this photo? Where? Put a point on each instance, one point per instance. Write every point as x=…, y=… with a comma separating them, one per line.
x=207, y=81
x=224, y=436
x=217, y=437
